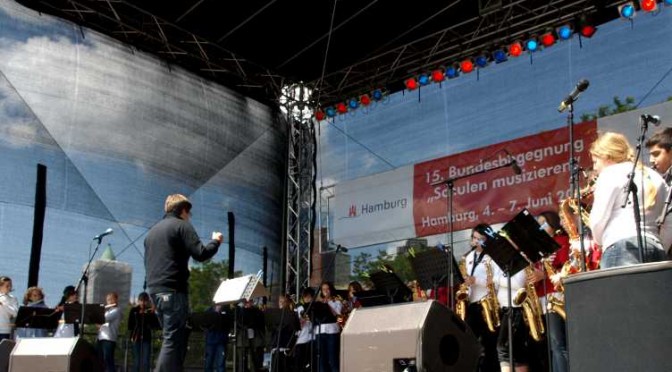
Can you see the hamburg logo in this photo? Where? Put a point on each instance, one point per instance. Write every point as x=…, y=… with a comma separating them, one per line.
x=352, y=212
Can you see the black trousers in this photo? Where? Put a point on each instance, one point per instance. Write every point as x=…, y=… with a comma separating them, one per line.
x=488, y=361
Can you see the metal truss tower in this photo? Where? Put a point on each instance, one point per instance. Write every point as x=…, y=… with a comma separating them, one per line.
x=300, y=188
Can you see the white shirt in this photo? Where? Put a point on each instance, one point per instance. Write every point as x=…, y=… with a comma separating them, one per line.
x=9, y=307
x=110, y=329
x=479, y=289
x=611, y=223
x=331, y=328
x=501, y=281
x=305, y=334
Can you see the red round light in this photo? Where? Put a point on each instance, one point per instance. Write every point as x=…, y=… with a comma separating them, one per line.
x=438, y=76
x=320, y=115
x=588, y=30
x=648, y=5
x=467, y=66
x=411, y=84
x=547, y=39
x=515, y=49
x=365, y=100
x=341, y=108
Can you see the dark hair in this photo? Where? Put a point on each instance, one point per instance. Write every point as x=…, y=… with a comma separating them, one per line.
x=481, y=228
x=356, y=286
x=67, y=292
x=308, y=292
x=553, y=220
x=662, y=138
x=143, y=296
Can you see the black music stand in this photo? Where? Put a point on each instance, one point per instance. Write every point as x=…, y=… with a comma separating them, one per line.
x=37, y=317
x=93, y=313
x=372, y=298
x=431, y=267
x=390, y=284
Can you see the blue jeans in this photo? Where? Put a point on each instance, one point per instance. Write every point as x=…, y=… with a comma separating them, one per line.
x=329, y=352
x=142, y=351
x=215, y=357
x=626, y=252
x=106, y=353
x=172, y=309
x=558, y=339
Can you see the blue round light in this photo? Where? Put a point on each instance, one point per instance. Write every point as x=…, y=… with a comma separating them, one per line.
x=627, y=11
x=451, y=72
x=499, y=56
x=481, y=61
x=330, y=111
x=668, y=2
x=423, y=79
x=377, y=95
x=353, y=103
x=564, y=32
x=532, y=45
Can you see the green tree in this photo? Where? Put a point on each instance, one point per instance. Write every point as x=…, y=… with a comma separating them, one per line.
x=364, y=264
x=618, y=107
x=203, y=283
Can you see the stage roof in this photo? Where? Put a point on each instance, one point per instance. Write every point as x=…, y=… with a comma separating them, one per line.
x=342, y=48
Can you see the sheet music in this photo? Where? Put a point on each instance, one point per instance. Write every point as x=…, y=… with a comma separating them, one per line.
x=245, y=287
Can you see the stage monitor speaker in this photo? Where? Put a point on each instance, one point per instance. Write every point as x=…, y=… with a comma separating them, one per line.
x=618, y=319
x=393, y=337
x=69, y=354
x=6, y=347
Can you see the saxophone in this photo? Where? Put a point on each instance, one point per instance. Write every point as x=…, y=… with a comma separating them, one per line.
x=489, y=303
x=555, y=305
x=462, y=295
x=532, y=313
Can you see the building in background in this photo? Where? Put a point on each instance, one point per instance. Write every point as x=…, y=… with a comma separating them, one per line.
x=109, y=275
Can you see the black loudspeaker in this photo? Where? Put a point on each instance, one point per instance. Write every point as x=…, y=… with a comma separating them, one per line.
x=6, y=347
x=71, y=354
x=394, y=337
x=619, y=319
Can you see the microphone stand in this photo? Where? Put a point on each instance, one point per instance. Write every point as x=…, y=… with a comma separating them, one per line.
x=574, y=184
x=85, y=279
x=450, y=183
x=631, y=188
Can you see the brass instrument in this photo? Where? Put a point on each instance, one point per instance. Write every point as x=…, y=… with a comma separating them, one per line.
x=532, y=313
x=489, y=303
x=555, y=304
x=462, y=295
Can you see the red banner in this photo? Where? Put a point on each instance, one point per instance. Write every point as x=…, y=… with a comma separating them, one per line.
x=498, y=194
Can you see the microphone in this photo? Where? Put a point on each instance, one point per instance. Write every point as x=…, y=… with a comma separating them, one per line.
x=651, y=119
x=106, y=233
x=514, y=163
x=573, y=95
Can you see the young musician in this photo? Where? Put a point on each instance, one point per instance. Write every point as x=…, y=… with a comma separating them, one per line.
x=70, y=297
x=108, y=331
x=34, y=297
x=613, y=226
x=141, y=321
x=660, y=157
x=304, y=341
x=522, y=343
x=328, y=333
x=9, y=307
x=477, y=280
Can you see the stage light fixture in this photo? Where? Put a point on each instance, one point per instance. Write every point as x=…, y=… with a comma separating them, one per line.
x=467, y=66
x=438, y=75
x=353, y=103
x=377, y=95
x=452, y=72
x=532, y=45
x=320, y=115
x=481, y=60
x=411, y=84
x=365, y=100
x=648, y=5
x=423, y=79
x=586, y=27
x=547, y=39
x=341, y=108
x=564, y=32
x=668, y=2
x=627, y=10
x=499, y=56
x=330, y=111
x=515, y=49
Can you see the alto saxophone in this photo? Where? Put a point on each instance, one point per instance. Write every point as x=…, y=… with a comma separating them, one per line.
x=489, y=303
x=555, y=305
x=526, y=297
x=462, y=295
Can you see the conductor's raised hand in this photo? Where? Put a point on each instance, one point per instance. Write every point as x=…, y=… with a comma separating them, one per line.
x=216, y=235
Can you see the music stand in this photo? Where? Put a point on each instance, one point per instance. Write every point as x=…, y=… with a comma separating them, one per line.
x=372, y=298
x=93, y=313
x=525, y=231
x=431, y=268
x=37, y=317
x=390, y=284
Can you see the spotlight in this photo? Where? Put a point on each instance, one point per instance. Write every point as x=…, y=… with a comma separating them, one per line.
x=515, y=49
x=353, y=103
x=627, y=10
x=377, y=95
x=648, y=5
x=423, y=79
x=330, y=111
x=452, y=72
x=320, y=115
x=341, y=108
x=532, y=45
x=467, y=66
x=668, y=2
x=481, y=60
x=547, y=39
x=438, y=76
x=365, y=100
x=499, y=55
x=564, y=32
x=411, y=84
x=586, y=28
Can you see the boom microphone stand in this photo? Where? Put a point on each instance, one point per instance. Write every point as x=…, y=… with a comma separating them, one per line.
x=450, y=183
x=575, y=189
x=85, y=275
